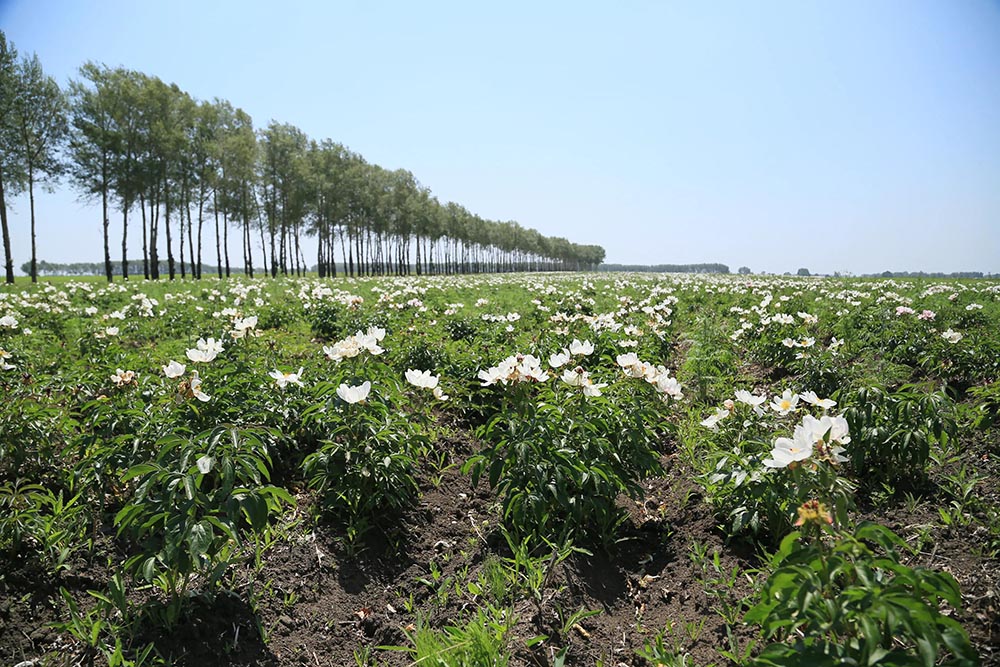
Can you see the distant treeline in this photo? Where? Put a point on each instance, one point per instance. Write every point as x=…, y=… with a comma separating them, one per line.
x=135, y=267
x=933, y=274
x=666, y=268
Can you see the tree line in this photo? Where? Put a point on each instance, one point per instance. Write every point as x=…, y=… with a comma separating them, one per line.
x=666, y=268
x=133, y=267
x=172, y=165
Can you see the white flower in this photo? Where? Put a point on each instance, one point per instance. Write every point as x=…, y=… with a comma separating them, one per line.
x=577, y=377
x=627, y=360
x=4, y=356
x=111, y=331
x=8, y=321
x=635, y=368
x=951, y=336
x=712, y=421
x=421, y=379
x=788, y=450
x=825, y=430
x=343, y=349
x=785, y=403
x=245, y=323
x=835, y=345
x=439, y=394
x=811, y=398
x=370, y=340
x=515, y=368
x=493, y=375
x=243, y=326
x=205, y=350
x=195, y=388
x=578, y=348
x=174, y=369
x=285, y=379
x=122, y=378
x=354, y=394
x=530, y=368
x=744, y=396
x=352, y=346
x=559, y=358
x=669, y=386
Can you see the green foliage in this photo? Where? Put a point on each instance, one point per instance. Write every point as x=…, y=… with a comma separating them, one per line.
x=761, y=502
x=35, y=519
x=709, y=365
x=751, y=499
x=851, y=601
x=193, y=505
x=559, y=461
x=364, y=467
x=462, y=328
x=422, y=355
x=34, y=432
x=987, y=405
x=892, y=432
x=481, y=642
x=325, y=318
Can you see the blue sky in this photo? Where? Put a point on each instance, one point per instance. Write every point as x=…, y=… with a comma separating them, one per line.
x=851, y=136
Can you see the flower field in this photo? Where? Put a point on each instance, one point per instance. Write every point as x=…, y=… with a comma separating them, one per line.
x=530, y=469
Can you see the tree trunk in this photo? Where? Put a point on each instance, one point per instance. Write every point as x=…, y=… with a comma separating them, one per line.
x=263, y=245
x=180, y=225
x=194, y=271
x=8, y=261
x=166, y=221
x=201, y=221
x=154, y=234
x=104, y=213
x=31, y=205
x=225, y=241
x=247, y=242
x=125, y=206
x=218, y=241
x=274, y=263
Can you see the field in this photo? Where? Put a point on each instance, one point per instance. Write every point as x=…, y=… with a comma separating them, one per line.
x=534, y=469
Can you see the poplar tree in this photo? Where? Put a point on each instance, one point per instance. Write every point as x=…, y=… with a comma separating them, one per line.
x=39, y=116
x=12, y=175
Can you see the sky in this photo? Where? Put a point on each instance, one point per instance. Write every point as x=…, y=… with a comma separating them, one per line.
x=853, y=136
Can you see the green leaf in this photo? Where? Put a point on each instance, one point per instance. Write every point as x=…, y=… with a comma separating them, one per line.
x=149, y=568
x=200, y=538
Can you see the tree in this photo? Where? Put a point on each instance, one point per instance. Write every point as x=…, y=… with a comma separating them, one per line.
x=234, y=153
x=803, y=272
x=12, y=175
x=93, y=107
x=744, y=271
x=39, y=114
x=127, y=175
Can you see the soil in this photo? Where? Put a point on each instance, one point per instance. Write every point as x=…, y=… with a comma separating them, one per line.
x=315, y=603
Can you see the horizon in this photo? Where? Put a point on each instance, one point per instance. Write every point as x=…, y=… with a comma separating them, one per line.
x=858, y=139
